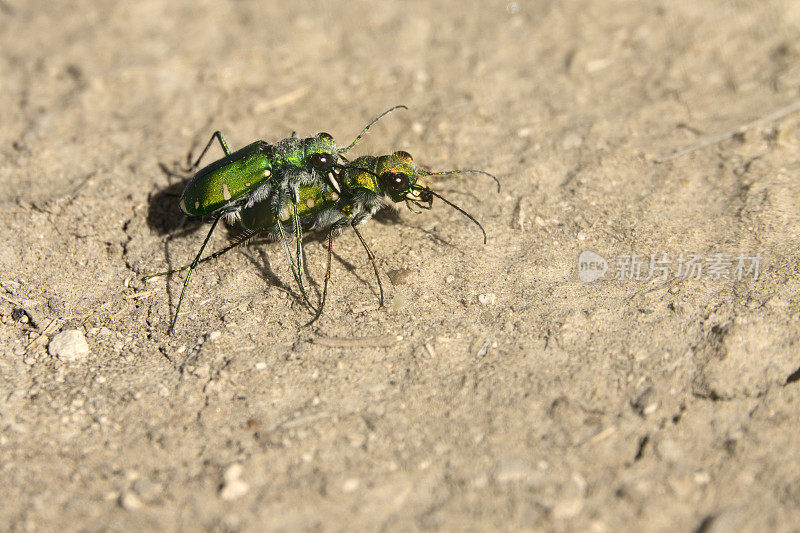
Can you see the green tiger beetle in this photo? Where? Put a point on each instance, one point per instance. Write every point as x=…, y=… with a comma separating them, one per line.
x=261, y=172
x=368, y=183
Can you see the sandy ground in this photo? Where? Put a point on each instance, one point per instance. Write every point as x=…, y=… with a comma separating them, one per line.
x=495, y=389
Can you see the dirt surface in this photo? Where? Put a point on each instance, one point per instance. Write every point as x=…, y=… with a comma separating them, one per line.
x=495, y=389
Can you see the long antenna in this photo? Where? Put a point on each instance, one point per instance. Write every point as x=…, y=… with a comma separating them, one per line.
x=465, y=171
x=364, y=131
x=454, y=206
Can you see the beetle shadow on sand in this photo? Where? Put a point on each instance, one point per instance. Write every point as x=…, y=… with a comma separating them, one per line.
x=312, y=275
x=163, y=214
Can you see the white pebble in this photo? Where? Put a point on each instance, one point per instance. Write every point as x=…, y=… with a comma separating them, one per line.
x=233, y=472
x=130, y=501
x=233, y=487
x=488, y=298
x=234, y=490
x=69, y=346
x=702, y=478
x=261, y=365
x=351, y=485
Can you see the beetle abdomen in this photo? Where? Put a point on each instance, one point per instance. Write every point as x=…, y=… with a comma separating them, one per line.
x=228, y=179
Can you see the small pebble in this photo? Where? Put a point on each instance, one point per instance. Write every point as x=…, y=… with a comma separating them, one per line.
x=214, y=335
x=261, y=365
x=20, y=316
x=233, y=490
x=69, y=346
x=233, y=472
x=702, y=478
x=233, y=487
x=130, y=501
x=398, y=302
x=487, y=299
x=669, y=450
x=351, y=485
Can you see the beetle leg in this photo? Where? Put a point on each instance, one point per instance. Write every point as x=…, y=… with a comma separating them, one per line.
x=189, y=274
x=327, y=278
x=217, y=135
x=240, y=240
x=298, y=277
x=371, y=258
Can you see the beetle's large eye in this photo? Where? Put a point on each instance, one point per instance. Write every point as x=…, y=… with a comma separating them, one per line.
x=394, y=181
x=325, y=136
x=402, y=154
x=322, y=162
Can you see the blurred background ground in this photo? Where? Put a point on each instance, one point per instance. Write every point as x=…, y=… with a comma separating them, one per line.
x=495, y=390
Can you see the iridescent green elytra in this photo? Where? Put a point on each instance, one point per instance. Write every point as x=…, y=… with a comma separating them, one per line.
x=255, y=173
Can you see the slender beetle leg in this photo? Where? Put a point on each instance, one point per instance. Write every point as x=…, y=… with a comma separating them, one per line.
x=217, y=135
x=239, y=241
x=371, y=258
x=297, y=278
x=327, y=278
x=298, y=236
x=189, y=274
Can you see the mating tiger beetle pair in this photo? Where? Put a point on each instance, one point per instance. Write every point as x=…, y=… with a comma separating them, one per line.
x=298, y=184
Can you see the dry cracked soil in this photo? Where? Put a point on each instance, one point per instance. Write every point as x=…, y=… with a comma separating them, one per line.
x=651, y=386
